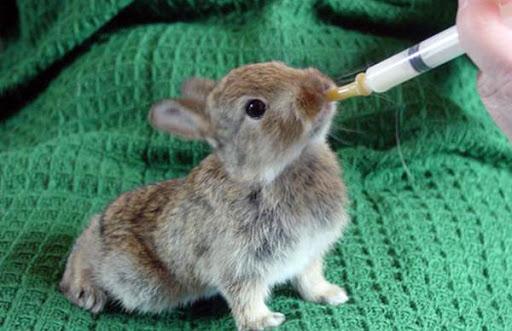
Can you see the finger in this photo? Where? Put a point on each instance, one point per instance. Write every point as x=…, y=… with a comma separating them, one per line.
x=484, y=34
x=497, y=99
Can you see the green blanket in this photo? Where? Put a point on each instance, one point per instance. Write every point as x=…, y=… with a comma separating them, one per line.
x=429, y=174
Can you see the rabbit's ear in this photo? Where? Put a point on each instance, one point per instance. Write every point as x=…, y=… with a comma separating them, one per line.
x=183, y=117
x=197, y=88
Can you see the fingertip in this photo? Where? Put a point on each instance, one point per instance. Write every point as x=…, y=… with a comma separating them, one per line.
x=479, y=19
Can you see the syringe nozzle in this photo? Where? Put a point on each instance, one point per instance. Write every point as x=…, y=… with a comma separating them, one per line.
x=354, y=89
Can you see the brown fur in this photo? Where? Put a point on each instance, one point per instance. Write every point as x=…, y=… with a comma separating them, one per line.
x=263, y=208
x=288, y=129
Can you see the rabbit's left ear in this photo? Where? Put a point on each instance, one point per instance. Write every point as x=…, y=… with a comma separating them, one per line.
x=184, y=117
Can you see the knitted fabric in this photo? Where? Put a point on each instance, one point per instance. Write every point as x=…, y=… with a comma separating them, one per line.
x=429, y=174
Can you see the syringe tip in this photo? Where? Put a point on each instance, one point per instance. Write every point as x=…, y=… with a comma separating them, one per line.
x=356, y=88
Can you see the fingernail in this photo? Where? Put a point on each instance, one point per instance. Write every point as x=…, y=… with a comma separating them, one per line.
x=463, y=3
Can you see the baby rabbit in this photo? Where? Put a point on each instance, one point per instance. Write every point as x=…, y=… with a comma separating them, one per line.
x=263, y=208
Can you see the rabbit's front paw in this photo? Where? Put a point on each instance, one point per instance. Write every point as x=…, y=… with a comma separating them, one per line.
x=329, y=294
x=334, y=295
x=271, y=320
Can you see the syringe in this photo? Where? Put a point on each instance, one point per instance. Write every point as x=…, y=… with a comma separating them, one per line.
x=403, y=66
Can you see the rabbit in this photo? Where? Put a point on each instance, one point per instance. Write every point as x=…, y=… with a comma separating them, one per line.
x=262, y=209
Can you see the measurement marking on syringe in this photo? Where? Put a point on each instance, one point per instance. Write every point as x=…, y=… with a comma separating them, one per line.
x=416, y=60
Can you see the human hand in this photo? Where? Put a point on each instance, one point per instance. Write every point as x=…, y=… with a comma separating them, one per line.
x=485, y=32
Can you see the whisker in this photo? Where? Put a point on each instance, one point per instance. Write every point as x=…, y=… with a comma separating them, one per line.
x=400, y=108
x=399, y=148
x=350, y=76
x=338, y=139
x=386, y=98
x=341, y=128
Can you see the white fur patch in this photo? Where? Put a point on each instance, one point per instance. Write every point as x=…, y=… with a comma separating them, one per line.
x=304, y=253
x=277, y=166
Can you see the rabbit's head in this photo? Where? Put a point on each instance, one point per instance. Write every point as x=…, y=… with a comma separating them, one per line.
x=258, y=118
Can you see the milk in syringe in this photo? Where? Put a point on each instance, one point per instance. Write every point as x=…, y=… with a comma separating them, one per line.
x=403, y=66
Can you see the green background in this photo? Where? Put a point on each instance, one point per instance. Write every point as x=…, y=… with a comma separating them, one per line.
x=430, y=246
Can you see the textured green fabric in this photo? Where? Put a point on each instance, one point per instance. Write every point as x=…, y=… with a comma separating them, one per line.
x=430, y=246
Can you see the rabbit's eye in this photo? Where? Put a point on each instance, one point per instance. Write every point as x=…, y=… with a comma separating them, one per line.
x=255, y=108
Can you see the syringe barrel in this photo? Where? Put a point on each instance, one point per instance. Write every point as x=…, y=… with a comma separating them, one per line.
x=414, y=61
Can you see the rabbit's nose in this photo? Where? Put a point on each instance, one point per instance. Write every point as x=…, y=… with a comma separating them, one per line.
x=311, y=99
x=312, y=94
